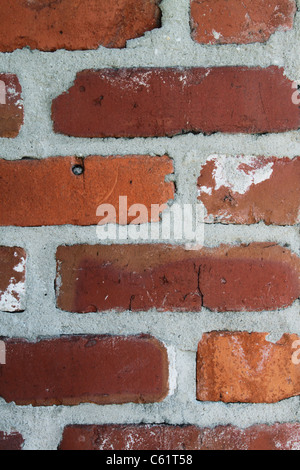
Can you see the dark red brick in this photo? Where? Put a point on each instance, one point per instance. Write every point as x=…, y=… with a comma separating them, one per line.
x=11, y=105
x=84, y=369
x=165, y=102
x=164, y=437
x=12, y=441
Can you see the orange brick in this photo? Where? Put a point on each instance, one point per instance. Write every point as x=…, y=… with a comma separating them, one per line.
x=240, y=22
x=64, y=198
x=245, y=367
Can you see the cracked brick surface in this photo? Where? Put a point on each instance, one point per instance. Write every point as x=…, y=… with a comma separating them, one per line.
x=256, y=277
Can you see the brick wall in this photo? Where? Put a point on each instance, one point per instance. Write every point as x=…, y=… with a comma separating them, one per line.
x=112, y=339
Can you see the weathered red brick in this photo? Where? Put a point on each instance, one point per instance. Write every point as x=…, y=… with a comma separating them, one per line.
x=80, y=369
x=170, y=101
x=12, y=441
x=247, y=190
x=245, y=367
x=12, y=279
x=257, y=277
x=233, y=21
x=48, y=25
x=71, y=199
x=11, y=105
x=164, y=437
x=130, y=437
x=261, y=437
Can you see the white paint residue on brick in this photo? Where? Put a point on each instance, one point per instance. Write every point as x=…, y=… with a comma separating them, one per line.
x=143, y=79
x=172, y=370
x=206, y=190
x=229, y=172
x=20, y=268
x=216, y=35
x=2, y=92
x=14, y=94
x=11, y=300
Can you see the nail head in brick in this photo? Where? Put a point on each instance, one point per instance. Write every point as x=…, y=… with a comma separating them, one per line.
x=76, y=187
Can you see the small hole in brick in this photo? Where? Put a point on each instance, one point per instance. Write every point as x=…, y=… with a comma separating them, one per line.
x=82, y=89
x=77, y=170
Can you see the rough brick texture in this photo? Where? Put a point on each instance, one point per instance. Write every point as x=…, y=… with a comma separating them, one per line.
x=48, y=25
x=152, y=437
x=11, y=105
x=74, y=199
x=141, y=277
x=170, y=101
x=241, y=367
x=247, y=189
x=80, y=369
x=12, y=441
x=241, y=22
x=12, y=279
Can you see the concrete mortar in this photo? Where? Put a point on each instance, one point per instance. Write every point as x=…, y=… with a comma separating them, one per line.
x=44, y=76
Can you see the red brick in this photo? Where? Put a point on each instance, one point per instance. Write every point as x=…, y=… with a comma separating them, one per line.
x=48, y=25
x=81, y=369
x=130, y=437
x=243, y=367
x=257, y=277
x=12, y=279
x=11, y=105
x=247, y=190
x=170, y=101
x=163, y=437
x=233, y=21
x=13, y=441
x=261, y=437
x=71, y=199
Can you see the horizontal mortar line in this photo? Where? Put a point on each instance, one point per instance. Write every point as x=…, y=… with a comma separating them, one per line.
x=164, y=413
x=114, y=325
